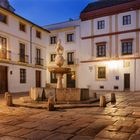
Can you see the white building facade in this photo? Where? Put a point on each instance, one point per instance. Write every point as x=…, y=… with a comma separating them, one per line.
x=22, y=53
x=107, y=46
x=110, y=46
x=68, y=32
x=102, y=49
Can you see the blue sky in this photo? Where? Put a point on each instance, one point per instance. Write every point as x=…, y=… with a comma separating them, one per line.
x=43, y=12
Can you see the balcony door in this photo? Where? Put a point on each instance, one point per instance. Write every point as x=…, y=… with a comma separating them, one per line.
x=3, y=48
x=38, y=78
x=3, y=79
x=22, y=52
x=38, y=56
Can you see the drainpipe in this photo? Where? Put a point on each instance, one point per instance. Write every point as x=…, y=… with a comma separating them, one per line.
x=135, y=76
x=31, y=39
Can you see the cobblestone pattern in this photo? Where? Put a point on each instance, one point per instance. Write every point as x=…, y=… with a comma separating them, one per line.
x=120, y=121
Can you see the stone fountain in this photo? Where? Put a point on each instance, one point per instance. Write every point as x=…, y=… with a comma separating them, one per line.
x=59, y=61
x=65, y=94
x=59, y=94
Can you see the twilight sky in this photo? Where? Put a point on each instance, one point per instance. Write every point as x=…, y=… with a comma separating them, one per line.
x=43, y=12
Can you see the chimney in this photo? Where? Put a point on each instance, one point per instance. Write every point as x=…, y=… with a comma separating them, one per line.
x=5, y=4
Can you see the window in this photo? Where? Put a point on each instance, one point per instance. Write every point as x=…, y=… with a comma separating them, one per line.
x=53, y=78
x=127, y=20
x=127, y=47
x=39, y=60
x=70, y=58
x=3, y=43
x=22, y=56
x=53, y=57
x=101, y=73
x=101, y=50
x=70, y=37
x=3, y=48
x=3, y=18
x=53, y=40
x=22, y=76
x=101, y=24
x=22, y=27
x=38, y=34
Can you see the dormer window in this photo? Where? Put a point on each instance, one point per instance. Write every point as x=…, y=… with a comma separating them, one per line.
x=22, y=27
x=101, y=24
x=127, y=20
x=3, y=18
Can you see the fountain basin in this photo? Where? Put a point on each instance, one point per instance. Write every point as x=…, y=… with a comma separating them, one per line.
x=59, y=70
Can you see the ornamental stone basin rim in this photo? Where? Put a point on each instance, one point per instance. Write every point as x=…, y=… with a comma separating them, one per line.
x=59, y=70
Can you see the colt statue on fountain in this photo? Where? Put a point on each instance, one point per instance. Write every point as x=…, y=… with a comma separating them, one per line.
x=59, y=61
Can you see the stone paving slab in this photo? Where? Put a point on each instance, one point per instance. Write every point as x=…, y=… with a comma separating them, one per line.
x=120, y=121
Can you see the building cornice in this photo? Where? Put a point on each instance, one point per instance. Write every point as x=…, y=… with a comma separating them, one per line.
x=110, y=34
x=130, y=6
x=110, y=59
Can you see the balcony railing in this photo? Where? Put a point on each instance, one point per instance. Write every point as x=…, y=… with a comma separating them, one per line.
x=39, y=61
x=23, y=58
x=5, y=54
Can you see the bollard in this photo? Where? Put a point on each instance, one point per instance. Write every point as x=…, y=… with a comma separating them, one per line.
x=5, y=95
x=51, y=104
x=102, y=101
x=9, y=101
x=113, y=97
x=94, y=95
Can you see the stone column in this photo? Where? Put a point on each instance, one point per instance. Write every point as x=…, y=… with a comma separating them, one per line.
x=59, y=81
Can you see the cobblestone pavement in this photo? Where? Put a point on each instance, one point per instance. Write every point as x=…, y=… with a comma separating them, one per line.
x=120, y=121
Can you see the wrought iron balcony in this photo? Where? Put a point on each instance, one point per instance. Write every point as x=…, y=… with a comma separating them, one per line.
x=39, y=61
x=23, y=58
x=5, y=55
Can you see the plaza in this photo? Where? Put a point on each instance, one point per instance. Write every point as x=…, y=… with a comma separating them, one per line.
x=72, y=80
x=118, y=121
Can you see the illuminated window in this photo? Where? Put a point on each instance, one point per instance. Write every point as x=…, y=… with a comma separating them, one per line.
x=127, y=47
x=101, y=73
x=127, y=20
x=101, y=24
x=3, y=18
x=22, y=27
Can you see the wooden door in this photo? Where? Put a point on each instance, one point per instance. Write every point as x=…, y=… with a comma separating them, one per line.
x=127, y=81
x=70, y=81
x=3, y=79
x=38, y=78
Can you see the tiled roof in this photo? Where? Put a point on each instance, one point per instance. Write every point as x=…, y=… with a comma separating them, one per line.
x=103, y=4
x=62, y=25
